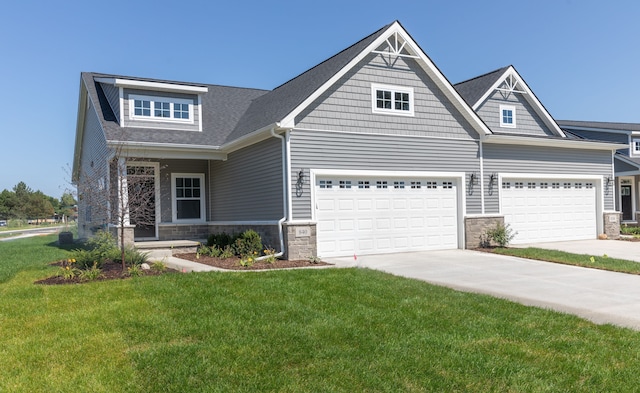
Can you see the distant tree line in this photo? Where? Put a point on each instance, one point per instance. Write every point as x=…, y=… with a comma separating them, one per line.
x=22, y=203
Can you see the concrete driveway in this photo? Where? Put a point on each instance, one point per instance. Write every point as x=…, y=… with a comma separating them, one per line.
x=597, y=295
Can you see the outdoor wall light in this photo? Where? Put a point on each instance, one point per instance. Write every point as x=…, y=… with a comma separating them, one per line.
x=473, y=178
x=300, y=180
x=608, y=180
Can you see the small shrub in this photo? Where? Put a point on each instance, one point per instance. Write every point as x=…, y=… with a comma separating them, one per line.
x=227, y=252
x=91, y=274
x=314, y=259
x=627, y=230
x=220, y=240
x=248, y=242
x=212, y=251
x=103, y=243
x=270, y=255
x=248, y=261
x=158, y=266
x=132, y=256
x=501, y=234
x=85, y=259
x=68, y=269
x=135, y=271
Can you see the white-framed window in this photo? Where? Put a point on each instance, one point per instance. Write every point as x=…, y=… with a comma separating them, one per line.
x=326, y=183
x=393, y=100
x=345, y=183
x=508, y=116
x=160, y=108
x=635, y=146
x=188, y=194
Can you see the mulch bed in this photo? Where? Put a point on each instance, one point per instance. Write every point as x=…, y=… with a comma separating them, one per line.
x=234, y=263
x=110, y=271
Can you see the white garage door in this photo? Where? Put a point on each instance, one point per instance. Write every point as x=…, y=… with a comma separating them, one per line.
x=363, y=215
x=549, y=210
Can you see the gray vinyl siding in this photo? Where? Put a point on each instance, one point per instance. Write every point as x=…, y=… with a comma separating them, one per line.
x=113, y=97
x=336, y=150
x=92, y=201
x=537, y=159
x=527, y=120
x=167, y=168
x=128, y=122
x=248, y=185
x=347, y=105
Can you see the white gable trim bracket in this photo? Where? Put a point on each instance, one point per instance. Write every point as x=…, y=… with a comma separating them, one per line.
x=512, y=84
x=394, y=49
x=396, y=33
x=515, y=84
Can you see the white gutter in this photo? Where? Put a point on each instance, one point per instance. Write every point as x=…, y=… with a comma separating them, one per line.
x=546, y=142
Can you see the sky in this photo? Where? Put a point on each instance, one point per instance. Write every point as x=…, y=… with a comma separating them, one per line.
x=580, y=57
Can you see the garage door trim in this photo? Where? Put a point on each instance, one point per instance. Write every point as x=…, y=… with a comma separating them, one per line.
x=598, y=181
x=458, y=177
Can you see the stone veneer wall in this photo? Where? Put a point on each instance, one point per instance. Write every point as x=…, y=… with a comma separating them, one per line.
x=612, y=225
x=269, y=233
x=128, y=234
x=475, y=227
x=183, y=231
x=300, y=241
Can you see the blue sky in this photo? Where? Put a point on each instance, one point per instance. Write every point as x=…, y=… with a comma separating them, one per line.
x=580, y=57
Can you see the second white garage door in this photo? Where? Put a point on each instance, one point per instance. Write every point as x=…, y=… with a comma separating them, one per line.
x=550, y=210
x=365, y=215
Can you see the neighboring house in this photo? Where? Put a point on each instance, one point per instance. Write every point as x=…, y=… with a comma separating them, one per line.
x=370, y=151
x=626, y=160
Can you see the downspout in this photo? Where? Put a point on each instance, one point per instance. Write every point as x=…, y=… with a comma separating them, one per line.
x=285, y=194
x=481, y=178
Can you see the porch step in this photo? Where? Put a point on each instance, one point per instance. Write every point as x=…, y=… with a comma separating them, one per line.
x=169, y=244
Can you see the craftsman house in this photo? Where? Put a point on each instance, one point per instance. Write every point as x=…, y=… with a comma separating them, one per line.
x=371, y=151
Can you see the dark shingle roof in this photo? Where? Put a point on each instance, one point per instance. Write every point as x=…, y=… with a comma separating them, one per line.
x=599, y=125
x=282, y=100
x=230, y=103
x=473, y=89
x=232, y=112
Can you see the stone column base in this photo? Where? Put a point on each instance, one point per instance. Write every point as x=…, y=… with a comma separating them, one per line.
x=300, y=241
x=475, y=227
x=612, y=225
x=128, y=234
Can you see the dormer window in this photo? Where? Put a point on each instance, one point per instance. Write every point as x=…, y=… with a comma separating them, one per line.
x=507, y=116
x=161, y=108
x=392, y=100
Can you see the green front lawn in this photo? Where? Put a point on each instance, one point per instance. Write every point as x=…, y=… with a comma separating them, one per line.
x=337, y=330
x=593, y=261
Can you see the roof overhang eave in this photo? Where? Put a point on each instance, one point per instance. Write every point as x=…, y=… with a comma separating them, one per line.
x=166, y=150
x=565, y=143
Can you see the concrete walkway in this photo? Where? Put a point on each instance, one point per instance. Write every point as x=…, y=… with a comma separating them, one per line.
x=597, y=295
x=181, y=265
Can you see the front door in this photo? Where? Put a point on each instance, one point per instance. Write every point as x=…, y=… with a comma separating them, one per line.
x=626, y=203
x=141, y=186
